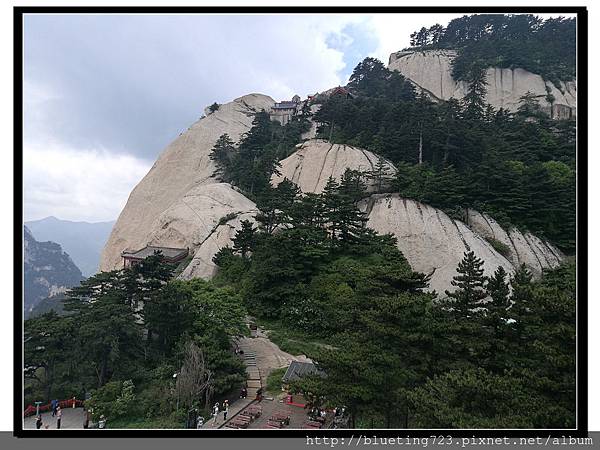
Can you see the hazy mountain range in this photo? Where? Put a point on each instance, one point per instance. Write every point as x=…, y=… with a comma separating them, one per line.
x=48, y=271
x=83, y=241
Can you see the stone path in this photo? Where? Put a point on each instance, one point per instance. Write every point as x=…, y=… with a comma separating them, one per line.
x=71, y=418
x=261, y=357
x=253, y=384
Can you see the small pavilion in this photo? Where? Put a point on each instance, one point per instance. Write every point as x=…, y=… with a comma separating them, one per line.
x=170, y=255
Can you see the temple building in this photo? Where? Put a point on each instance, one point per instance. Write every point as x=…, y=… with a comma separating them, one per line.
x=170, y=255
x=284, y=111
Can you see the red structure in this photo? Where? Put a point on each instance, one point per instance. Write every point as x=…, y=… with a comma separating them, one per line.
x=30, y=410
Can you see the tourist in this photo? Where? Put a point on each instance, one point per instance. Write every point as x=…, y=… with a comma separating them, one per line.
x=86, y=419
x=215, y=412
x=200, y=422
x=102, y=422
x=225, y=409
x=53, y=405
x=243, y=393
x=259, y=395
x=58, y=417
x=38, y=422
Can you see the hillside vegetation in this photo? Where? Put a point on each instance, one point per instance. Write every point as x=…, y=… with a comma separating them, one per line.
x=546, y=47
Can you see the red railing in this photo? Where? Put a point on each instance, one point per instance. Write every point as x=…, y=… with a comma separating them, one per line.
x=31, y=409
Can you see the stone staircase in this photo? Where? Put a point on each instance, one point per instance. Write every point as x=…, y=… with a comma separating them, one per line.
x=254, y=381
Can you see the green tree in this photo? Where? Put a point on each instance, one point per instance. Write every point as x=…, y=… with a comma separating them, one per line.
x=46, y=345
x=168, y=314
x=222, y=154
x=245, y=239
x=470, y=284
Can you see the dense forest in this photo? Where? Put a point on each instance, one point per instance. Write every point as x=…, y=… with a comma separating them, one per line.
x=518, y=167
x=393, y=354
x=147, y=347
x=546, y=47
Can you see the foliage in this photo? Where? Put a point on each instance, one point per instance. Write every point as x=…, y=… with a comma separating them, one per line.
x=250, y=165
x=470, y=283
x=114, y=400
x=274, y=381
x=499, y=246
x=126, y=334
x=546, y=47
x=518, y=168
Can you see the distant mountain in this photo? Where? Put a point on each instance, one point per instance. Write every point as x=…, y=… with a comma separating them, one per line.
x=83, y=241
x=54, y=303
x=48, y=271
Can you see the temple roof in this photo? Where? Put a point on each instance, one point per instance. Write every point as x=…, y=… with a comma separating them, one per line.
x=285, y=105
x=168, y=252
x=298, y=369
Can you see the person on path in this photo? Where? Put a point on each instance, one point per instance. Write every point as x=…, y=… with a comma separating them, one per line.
x=38, y=422
x=243, y=393
x=58, y=417
x=53, y=405
x=259, y=395
x=225, y=410
x=86, y=419
x=215, y=412
x=200, y=422
x=102, y=422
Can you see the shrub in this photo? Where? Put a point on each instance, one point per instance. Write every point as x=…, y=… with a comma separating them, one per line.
x=500, y=247
x=223, y=220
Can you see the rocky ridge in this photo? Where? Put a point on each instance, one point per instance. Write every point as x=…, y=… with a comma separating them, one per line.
x=181, y=204
x=431, y=71
x=183, y=166
x=47, y=270
x=431, y=241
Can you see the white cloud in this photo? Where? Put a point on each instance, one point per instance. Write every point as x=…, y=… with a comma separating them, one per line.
x=393, y=30
x=77, y=184
x=104, y=94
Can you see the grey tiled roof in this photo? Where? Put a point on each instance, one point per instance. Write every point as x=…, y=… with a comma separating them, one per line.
x=297, y=370
x=168, y=252
x=285, y=105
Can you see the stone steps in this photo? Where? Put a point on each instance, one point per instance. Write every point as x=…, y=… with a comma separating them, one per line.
x=254, y=384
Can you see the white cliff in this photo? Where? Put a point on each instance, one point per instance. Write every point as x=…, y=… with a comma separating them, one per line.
x=183, y=166
x=432, y=242
x=431, y=71
x=523, y=248
x=316, y=160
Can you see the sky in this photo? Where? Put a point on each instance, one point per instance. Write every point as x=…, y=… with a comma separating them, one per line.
x=104, y=94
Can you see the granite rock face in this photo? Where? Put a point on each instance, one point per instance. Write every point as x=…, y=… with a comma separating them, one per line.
x=431, y=71
x=316, y=160
x=433, y=243
x=181, y=204
x=183, y=166
x=523, y=248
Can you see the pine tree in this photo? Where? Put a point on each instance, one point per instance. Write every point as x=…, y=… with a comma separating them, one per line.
x=222, y=154
x=275, y=205
x=522, y=298
x=470, y=283
x=380, y=175
x=474, y=100
x=498, y=290
x=245, y=239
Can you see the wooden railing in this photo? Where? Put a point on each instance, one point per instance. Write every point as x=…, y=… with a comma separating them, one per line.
x=31, y=409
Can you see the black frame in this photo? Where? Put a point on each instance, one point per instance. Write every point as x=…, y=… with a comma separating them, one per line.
x=439, y=434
